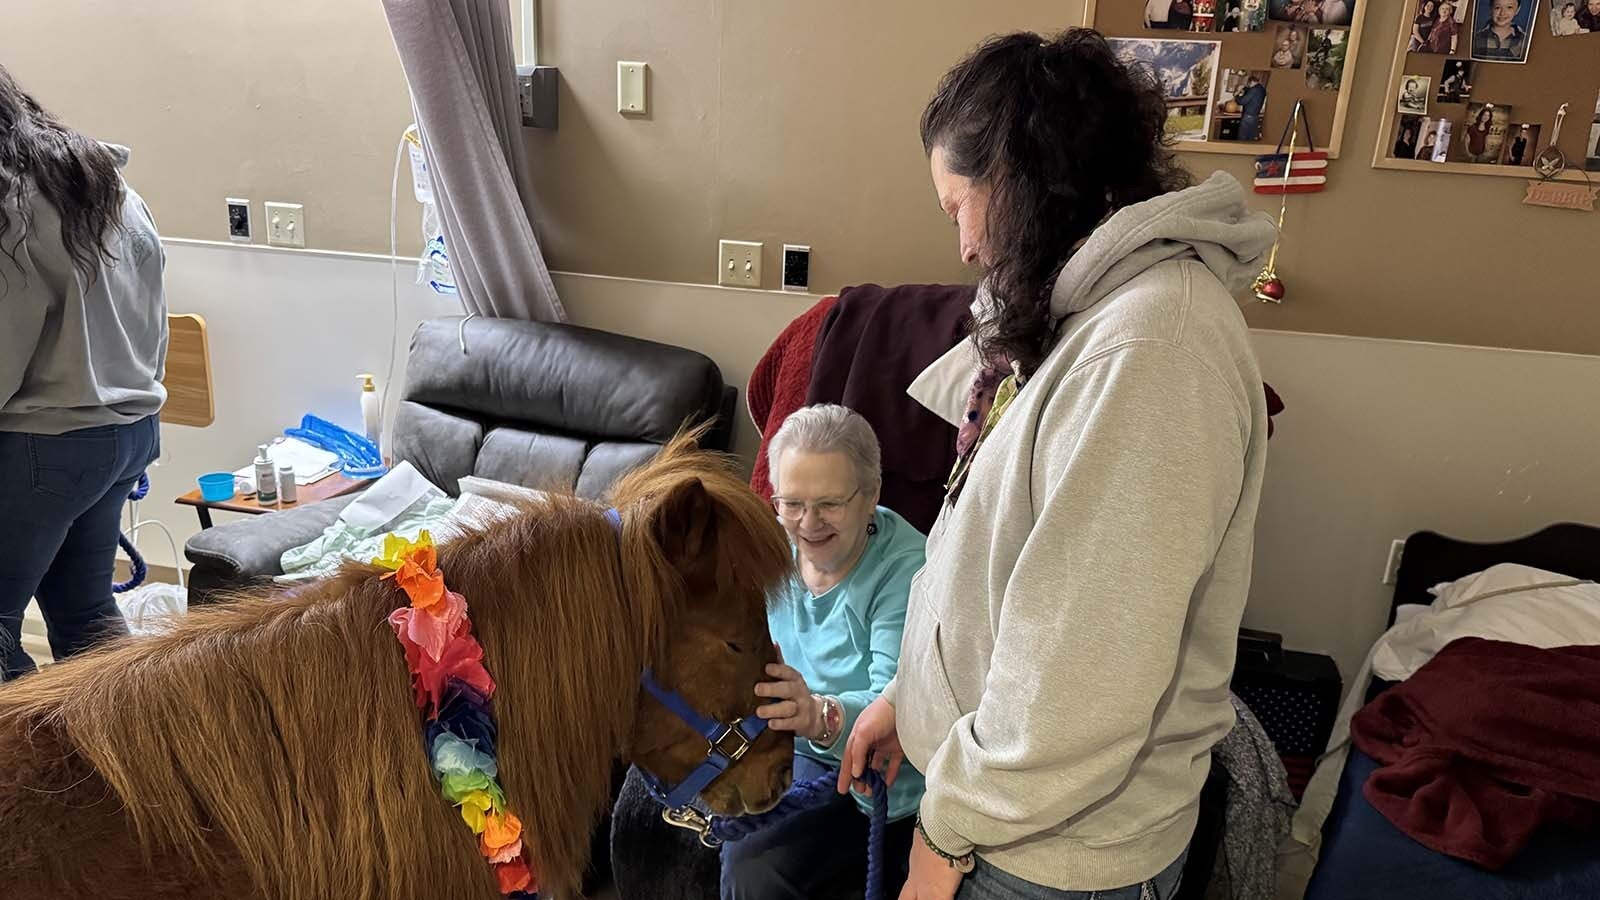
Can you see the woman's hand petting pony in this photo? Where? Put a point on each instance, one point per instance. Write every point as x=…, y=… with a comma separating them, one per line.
x=796, y=709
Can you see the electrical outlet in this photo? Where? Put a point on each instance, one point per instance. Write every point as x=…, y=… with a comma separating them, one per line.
x=238, y=220
x=286, y=224
x=796, y=268
x=739, y=263
x=1391, y=569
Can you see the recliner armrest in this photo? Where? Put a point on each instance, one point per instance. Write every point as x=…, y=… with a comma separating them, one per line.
x=236, y=553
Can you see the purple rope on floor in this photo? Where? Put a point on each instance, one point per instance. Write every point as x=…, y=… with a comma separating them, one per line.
x=804, y=795
x=136, y=562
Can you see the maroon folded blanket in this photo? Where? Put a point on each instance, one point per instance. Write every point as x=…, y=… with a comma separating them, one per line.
x=779, y=381
x=872, y=345
x=1484, y=745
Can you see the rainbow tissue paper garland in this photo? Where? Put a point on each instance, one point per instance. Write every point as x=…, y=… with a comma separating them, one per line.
x=453, y=690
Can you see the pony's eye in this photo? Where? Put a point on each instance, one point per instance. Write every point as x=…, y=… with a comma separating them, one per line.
x=732, y=646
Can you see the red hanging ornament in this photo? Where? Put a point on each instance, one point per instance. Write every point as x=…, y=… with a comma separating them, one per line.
x=1268, y=286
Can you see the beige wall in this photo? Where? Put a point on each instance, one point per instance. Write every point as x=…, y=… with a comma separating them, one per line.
x=301, y=101
x=770, y=121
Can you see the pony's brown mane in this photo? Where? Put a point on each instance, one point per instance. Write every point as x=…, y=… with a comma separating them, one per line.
x=245, y=716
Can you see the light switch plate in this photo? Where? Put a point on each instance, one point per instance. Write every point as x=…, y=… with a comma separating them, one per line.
x=739, y=264
x=631, y=77
x=286, y=224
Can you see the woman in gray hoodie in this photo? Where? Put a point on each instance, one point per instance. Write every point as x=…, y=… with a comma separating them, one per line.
x=1068, y=645
x=83, y=340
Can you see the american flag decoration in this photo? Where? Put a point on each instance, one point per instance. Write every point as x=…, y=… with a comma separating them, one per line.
x=1295, y=172
x=1305, y=172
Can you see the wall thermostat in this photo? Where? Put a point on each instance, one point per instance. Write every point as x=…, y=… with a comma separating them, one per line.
x=796, y=267
x=238, y=220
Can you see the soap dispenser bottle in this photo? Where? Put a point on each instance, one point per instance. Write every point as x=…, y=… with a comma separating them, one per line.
x=371, y=410
x=266, y=478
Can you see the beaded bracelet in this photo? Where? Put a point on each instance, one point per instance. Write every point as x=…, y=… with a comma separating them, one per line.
x=963, y=864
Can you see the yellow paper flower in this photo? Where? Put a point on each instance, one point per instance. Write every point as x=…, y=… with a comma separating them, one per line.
x=475, y=810
x=397, y=550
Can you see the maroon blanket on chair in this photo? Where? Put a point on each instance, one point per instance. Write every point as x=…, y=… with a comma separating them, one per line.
x=779, y=381
x=871, y=346
x=1486, y=743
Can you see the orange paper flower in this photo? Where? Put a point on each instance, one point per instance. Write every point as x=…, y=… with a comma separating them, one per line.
x=502, y=830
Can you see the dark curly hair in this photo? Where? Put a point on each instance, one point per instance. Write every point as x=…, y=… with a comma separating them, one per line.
x=1064, y=135
x=76, y=174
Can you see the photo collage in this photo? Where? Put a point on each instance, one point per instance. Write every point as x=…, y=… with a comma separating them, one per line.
x=1309, y=39
x=1440, y=118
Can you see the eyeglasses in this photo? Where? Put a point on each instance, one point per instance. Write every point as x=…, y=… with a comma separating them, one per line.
x=830, y=510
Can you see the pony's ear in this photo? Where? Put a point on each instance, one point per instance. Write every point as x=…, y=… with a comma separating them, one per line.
x=686, y=525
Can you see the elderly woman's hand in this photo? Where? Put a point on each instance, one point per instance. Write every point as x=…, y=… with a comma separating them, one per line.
x=796, y=709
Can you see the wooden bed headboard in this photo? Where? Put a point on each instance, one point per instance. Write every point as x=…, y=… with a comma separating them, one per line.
x=1430, y=558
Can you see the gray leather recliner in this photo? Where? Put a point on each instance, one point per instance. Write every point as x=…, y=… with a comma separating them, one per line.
x=542, y=405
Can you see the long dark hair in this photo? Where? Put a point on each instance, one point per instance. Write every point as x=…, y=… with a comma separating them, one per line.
x=77, y=174
x=1063, y=134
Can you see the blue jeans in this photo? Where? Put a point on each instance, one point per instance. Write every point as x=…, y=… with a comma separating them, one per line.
x=988, y=883
x=814, y=854
x=61, y=502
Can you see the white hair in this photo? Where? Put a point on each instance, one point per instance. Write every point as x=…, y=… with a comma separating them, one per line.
x=828, y=428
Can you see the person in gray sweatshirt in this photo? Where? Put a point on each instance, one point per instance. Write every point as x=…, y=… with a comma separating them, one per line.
x=1068, y=645
x=83, y=342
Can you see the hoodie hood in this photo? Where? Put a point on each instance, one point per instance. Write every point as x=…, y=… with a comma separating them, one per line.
x=1208, y=222
x=118, y=153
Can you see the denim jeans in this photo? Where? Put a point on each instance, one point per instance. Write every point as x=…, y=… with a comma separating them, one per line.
x=61, y=502
x=988, y=883
x=814, y=854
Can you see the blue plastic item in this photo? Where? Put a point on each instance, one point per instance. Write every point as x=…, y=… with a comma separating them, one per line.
x=215, y=487
x=358, y=457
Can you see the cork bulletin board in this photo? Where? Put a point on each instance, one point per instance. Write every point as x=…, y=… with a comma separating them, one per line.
x=1506, y=95
x=1305, y=70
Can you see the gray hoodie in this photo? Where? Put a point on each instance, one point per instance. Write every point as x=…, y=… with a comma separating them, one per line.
x=75, y=351
x=1067, y=650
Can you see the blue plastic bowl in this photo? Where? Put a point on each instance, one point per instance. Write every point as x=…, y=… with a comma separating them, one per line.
x=215, y=487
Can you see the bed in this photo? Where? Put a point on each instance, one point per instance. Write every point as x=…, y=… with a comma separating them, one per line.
x=1365, y=857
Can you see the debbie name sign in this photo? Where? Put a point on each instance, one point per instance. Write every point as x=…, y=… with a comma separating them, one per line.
x=1561, y=195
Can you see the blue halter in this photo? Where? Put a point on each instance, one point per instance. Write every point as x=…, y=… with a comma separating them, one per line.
x=727, y=742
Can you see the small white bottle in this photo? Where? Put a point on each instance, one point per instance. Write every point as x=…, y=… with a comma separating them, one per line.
x=371, y=410
x=286, y=486
x=266, y=478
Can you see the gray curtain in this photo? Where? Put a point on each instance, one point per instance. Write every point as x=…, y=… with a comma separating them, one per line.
x=457, y=58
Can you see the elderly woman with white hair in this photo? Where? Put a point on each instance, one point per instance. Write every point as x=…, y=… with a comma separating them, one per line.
x=838, y=633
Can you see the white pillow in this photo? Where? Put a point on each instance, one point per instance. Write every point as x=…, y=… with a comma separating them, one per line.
x=1512, y=603
x=503, y=491
x=484, y=501
x=1497, y=579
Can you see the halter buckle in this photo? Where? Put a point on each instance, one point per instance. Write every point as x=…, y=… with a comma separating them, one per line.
x=730, y=733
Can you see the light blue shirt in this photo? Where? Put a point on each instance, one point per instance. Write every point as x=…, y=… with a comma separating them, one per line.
x=846, y=642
